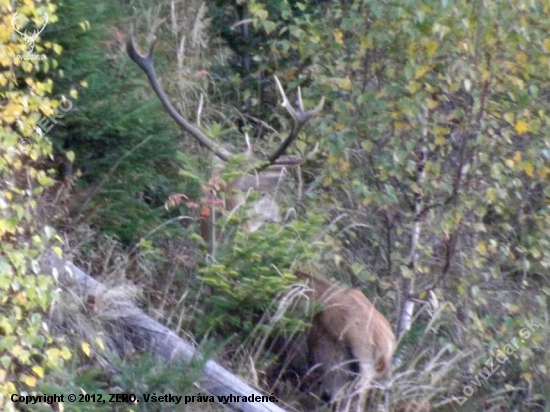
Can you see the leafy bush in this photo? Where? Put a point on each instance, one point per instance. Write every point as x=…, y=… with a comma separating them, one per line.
x=251, y=269
x=435, y=152
x=28, y=352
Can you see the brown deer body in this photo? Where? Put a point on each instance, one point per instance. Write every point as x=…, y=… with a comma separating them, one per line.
x=350, y=340
x=348, y=333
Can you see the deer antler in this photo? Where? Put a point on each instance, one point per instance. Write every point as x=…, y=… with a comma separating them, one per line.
x=145, y=62
x=300, y=117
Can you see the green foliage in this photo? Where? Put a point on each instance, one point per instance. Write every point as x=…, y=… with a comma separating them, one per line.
x=433, y=167
x=251, y=269
x=28, y=352
x=125, y=143
x=86, y=381
x=259, y=50
x=137, y=374
x=434, y=126
x=148, y=374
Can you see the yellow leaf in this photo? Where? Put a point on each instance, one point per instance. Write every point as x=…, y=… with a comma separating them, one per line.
x=344, y=83
x=84, y=83
x=344, y=166
x=29, y=380
x=527, y=376
x=86, y=348
x=543, y=172
x=73, y=93
x=66, y=353
x=338, y=37
x=521, y=127
x=547, y=45
x=38, y=370
x=100, y=343
x=57, y=250
x=16, y=350
x=20, y=298
x=70, y=156
x=10, y=387
x=339, y=126
x=440, y=140
x=481, y=248
x=432, y=104
x=413, y=87
x=521, y=58
x=517, y=157
x=528, y=169
x=431, y=47
x=421, y=71
x=53, y=354
x=365, y=43
x=491, y=194
x=367, y=145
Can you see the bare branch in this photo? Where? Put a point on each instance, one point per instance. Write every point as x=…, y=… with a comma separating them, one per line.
x=145, y=62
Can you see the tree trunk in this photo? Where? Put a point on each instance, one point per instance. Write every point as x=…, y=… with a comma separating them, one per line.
x=145, y=333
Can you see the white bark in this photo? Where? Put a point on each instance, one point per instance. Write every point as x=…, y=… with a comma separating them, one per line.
x=407, y=308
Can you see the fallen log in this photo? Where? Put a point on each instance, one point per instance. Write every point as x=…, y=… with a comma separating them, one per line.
x=144, y=333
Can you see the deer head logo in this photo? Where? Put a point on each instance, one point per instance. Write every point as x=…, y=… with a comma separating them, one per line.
x=29, y=39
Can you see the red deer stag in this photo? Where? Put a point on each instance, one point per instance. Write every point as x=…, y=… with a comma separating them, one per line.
x=350, y=340
x=348, y=335
x=263, y=178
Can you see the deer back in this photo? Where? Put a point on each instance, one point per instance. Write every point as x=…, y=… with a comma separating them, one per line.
x=348, y=336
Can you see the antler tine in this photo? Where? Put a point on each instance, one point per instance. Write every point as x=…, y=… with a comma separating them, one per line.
x=300, y=102
x=145, y=62
x=300, y=117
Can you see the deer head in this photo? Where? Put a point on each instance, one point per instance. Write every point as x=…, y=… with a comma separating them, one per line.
x=29, y=39
x=267, y=172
